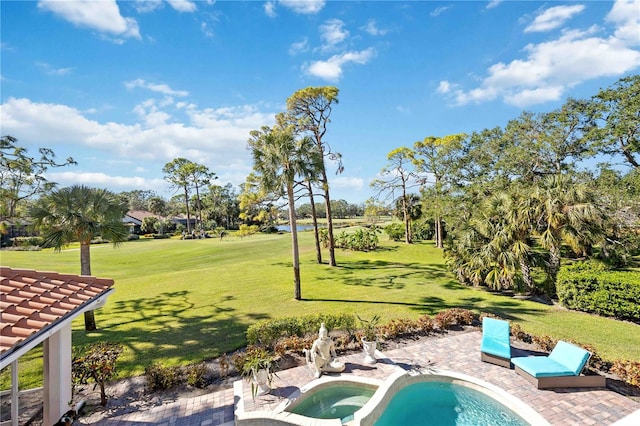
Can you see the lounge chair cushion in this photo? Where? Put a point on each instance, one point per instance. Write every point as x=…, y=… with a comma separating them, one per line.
x=541, y=366
x=564, y=360
x=495, y=337
x=570, y=356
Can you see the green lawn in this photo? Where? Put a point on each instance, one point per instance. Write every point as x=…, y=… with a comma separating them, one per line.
x=184, y=301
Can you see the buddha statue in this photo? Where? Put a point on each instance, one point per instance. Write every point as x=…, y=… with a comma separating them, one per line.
x=322, y=355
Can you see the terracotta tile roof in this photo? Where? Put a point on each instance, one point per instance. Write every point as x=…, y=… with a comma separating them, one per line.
x=32, y=300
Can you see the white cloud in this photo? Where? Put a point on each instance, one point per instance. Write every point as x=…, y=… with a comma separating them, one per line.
x=548, y=69
x=333, y=33
x=213, y=137
x=270, y=9
x=145, y=6
x=159, y=88
x=299, y=47
x=553, y=18
x=103, y=180
x=182, y=5
x=48, y=69
x=444, y=87
x=103, y=16
x=439, y=11
x=304, y=7
x=204, y=27
x=372, y=28
x=625, y=16
x=346, y=182
x=494, y=3
x=331, y=69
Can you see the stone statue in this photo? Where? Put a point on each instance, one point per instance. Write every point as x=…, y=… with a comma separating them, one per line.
x=322, y=355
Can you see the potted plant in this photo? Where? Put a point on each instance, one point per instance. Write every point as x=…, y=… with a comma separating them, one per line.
x=257, y=366
x=369, y=337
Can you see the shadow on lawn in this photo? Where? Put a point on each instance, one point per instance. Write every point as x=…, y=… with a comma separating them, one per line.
x=395, y=275
x=164, y=329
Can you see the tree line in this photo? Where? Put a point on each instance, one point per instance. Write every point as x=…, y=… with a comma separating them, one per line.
x=503, y=203
x=513, y=201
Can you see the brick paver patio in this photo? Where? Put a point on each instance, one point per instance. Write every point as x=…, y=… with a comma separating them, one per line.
x=458, y=353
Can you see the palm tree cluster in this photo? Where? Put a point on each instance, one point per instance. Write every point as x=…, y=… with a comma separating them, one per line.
x=289, y=161
x=511, y=200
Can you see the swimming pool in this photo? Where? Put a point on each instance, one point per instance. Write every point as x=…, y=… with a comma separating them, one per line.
x=443, y=403
x=431, y=397
x=443, y=398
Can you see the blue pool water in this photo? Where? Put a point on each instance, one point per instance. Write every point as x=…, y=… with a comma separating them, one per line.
x=335, y=402
x=440, y=403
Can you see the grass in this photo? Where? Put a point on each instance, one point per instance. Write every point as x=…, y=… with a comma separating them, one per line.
x=180, y=302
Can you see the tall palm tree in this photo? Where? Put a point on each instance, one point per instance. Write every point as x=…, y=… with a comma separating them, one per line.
x=566, y=212
x=278, y=159
x=80, y=213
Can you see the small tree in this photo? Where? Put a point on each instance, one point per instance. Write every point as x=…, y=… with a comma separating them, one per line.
x=96, y=362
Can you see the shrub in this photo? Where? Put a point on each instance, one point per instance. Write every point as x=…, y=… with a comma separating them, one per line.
x=196, y=375
x=519, y=334
x=546, y=343
x=268, y=332
x=589, y=288
x=96, y=362
x=223, y=363
x=462, y=316
x=395, y=231
x=293, y=344
x=425, y=324
x=29, y=242
x=399, y=327
x=629, y=371
x=444, y=319
x=160, y=377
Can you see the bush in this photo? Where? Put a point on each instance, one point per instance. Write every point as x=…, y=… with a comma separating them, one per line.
x=546, y=343
x=96, y=362
x=444, y=319
x=363, y=239
x=399, y=327
x=395, y=231
x=268, y=332
x=425, y=324
x=590, y=288
x=197, y=375
x=629, y=371
x=25, y=242
x=160, y=377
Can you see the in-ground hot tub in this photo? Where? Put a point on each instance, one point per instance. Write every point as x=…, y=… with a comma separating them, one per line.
x=332, y=398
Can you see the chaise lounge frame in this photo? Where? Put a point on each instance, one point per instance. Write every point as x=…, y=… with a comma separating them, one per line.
x=582, y=381
x=562, y=368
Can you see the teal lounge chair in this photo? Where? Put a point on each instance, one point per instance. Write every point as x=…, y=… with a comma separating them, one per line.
x=495, y=347
x=561, y=369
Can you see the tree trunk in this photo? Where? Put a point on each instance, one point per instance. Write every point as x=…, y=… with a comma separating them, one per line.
x=438, y=220
x=294, y=243
x=199, y=206
x=186, y=203
x=315, y=224
x=325, y=186
x=554, y=267
x=405, y=215
x=85, y=269
x=438, y=231
x=526, y=276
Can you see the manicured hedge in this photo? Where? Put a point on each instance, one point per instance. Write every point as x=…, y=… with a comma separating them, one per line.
x=267, y=332
x=608, y=293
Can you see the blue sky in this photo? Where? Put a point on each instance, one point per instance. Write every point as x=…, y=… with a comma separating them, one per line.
x=126, y=86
